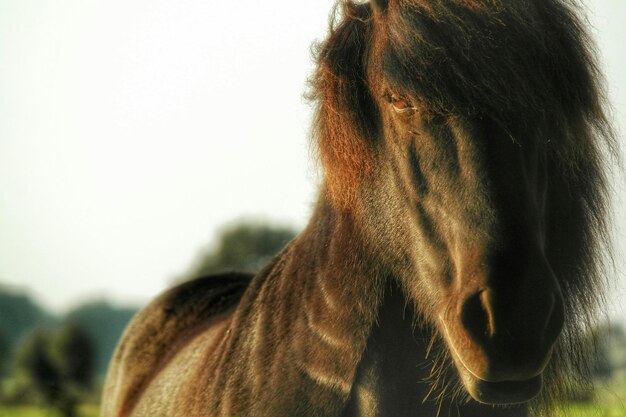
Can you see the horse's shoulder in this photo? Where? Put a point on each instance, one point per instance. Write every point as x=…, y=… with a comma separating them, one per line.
x=160, y=328
x=197, y=300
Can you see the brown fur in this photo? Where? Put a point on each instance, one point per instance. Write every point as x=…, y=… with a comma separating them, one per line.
x=158, y=331
x=452, y=240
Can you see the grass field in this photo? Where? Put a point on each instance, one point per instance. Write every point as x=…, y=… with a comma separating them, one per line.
x=593, y=410
x=610, y=401
x=84, y=411
x=571, y=410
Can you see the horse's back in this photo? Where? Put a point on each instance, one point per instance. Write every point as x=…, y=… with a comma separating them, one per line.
x=160, y=330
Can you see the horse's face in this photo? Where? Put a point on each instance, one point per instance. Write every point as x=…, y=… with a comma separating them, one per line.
x=467, y=136
x=468, y=204
x=462, y=195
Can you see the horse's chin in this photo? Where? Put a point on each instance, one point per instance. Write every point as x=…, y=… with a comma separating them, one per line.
x=502, y=392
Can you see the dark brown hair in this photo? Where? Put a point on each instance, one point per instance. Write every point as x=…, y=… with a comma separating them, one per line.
x=471, y=59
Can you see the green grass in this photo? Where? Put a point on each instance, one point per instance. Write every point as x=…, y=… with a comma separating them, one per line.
x=610, y=408
x=610, y=402
x=593, y=410
x=31, y=411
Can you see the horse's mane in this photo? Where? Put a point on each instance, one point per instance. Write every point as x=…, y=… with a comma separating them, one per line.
x=529, y=66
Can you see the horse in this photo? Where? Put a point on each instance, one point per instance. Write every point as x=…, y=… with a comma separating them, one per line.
x=457, y=251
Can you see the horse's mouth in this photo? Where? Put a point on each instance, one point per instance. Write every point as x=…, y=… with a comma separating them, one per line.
x=522, y=387
x=502, y=392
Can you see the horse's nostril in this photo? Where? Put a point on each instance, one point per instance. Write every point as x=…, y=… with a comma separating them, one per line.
x=477, y=316
x=506, y=338
x=485, y=317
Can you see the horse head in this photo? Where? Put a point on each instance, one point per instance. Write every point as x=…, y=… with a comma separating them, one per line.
x=467, y=137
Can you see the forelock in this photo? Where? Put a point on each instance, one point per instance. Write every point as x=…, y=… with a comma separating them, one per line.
x=471, y=57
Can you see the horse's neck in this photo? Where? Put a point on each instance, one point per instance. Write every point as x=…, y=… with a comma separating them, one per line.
x=301, y=329
x=313, y=336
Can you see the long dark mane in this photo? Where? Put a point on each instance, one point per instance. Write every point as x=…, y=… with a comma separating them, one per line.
x=470, y=58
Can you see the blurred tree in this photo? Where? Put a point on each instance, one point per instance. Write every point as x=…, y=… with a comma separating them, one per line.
x=39, y=378
x=72, y=352
x=4, y=355
x=245, y=247
x=607, y=345
x=18, y=315
x=104, y=324
x=610, y=341
x=54, y=368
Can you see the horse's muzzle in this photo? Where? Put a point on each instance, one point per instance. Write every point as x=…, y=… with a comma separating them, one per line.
x=501, y=345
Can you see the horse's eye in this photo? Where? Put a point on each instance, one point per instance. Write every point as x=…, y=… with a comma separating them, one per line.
x=400, y=105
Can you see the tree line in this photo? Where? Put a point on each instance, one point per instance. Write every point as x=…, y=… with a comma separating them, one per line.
x=61, y=361
x=51, y=360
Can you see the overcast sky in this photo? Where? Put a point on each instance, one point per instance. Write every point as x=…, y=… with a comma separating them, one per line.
x=130, y=131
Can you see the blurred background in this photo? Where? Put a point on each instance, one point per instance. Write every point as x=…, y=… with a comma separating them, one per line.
x=145, y=142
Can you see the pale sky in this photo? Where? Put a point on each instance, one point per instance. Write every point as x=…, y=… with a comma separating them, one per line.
x=130, y=131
